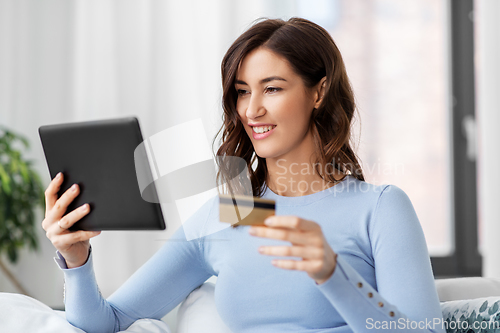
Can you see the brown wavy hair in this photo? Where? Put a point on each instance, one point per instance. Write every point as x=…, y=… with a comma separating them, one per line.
x=313, y=55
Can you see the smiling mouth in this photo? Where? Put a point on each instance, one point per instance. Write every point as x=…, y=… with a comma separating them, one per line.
x=262, y=129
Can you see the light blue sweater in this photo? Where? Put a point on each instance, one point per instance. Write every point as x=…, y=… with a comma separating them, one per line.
x=383, y=271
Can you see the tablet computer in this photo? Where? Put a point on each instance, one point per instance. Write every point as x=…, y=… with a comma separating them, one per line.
x=99, y=157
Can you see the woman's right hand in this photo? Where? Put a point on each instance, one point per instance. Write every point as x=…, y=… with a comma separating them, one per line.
x=73, y=245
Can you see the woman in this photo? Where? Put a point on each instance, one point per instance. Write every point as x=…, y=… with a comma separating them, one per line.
x=288, y=106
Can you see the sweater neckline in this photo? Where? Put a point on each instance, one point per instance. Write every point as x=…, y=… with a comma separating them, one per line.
x=306, y=199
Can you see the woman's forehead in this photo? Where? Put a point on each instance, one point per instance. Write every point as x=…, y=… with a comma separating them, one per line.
x=262, y=63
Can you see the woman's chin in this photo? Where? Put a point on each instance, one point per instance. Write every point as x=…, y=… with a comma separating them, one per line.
x=266, y=153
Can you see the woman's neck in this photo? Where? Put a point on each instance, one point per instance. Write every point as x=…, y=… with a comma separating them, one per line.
x=297, y=177
x=294, y=174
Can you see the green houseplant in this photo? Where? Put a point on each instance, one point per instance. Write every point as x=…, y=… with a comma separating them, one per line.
x=21, y=191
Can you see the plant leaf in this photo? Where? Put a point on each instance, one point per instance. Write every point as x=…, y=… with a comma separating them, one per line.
x=21, y=192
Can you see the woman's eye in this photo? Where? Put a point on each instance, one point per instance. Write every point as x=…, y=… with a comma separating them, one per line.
x=241, y=92
x=273, y=89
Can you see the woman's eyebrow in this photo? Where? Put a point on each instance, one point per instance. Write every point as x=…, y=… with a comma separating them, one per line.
x=272, y=78
x=267, y=79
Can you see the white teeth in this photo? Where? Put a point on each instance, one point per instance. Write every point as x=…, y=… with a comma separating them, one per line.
x=263, y=129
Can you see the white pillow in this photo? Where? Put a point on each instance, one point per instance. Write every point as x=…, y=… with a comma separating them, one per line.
x=21, y=314
x=198, y=313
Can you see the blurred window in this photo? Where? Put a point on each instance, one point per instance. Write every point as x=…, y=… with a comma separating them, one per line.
x=398, y=57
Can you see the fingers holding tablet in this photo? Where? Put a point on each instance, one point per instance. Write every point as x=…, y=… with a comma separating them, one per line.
x=63, y=202
x=51, y=199
x=54, y=207
x=71, y=218
x=51, y=192
x=74, y=246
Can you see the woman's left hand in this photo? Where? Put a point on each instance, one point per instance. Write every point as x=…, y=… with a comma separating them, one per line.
x=308, y=242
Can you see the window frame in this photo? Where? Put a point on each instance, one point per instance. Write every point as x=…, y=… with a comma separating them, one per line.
x=466, y=259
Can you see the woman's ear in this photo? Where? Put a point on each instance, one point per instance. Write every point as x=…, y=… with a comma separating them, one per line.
x=320, y=90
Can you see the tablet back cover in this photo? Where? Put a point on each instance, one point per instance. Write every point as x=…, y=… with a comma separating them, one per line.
x=99, y=157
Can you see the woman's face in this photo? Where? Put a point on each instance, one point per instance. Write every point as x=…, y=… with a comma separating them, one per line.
x=274, y=105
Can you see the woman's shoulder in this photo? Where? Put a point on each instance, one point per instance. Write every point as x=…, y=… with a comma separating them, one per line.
x=362, y=191
x=385, y=203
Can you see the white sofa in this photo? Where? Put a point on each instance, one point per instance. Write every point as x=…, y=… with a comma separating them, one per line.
x=467, y=288
x=474, y=299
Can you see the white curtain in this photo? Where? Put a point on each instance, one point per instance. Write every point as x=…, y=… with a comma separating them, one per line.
x=65, y=61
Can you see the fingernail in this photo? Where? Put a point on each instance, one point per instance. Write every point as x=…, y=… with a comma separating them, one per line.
x=73, y=188
x=85, y=207
x=58, y=175
x=269, y=221
x=261, y=249
x=252, y=231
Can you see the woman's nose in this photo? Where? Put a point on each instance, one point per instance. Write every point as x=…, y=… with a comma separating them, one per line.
x=255, y=108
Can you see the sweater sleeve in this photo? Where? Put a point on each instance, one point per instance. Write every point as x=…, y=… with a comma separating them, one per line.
x=406, y=297
x=152, y=291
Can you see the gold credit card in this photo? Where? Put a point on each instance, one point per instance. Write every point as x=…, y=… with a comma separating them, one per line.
x=245, y=210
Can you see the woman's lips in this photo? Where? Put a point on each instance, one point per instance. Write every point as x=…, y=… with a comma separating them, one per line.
x=259, y=136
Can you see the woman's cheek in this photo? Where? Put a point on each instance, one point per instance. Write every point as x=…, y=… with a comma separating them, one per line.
x=239, y=110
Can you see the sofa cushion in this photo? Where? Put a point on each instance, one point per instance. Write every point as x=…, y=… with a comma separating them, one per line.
x=472, y=315
x=198, y=313
x=467, y=288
